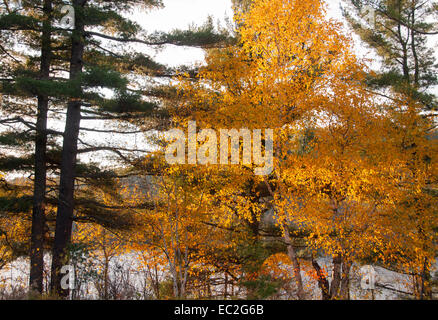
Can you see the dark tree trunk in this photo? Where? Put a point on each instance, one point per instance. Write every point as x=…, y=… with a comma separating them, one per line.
x=337, y=276
x=425, y=289
x=323, y=283
x=38, y=212
x=414, y=49
x=404, y=45
x=345, y=281
x=64, y=218
x=339, y=288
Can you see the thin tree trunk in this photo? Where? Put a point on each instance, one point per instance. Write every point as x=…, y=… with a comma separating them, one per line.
x=38, y=213
x=425, y=290
x=291, y=253
x=64, y=218
x=404, y=44
x=323, y=283
x=105, y=278
x=336, y=280
x=295, y=263
x=157, y=284
x=345, y=281
x=414, y=48
x=226, y=287
x=339, y=288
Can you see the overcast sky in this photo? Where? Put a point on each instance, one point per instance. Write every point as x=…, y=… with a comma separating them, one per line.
x=182, y=13
x=179, y=14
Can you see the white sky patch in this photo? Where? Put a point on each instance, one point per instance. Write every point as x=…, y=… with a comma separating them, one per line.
x=180, y=14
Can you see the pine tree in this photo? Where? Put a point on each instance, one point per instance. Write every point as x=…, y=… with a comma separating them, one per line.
x=399, y=31
x=36, y=87
x=34, y=25
x=38, y=215
x=98, y=72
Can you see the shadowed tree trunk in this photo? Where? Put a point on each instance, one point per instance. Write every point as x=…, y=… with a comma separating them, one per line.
x=38, y=213
x=425, y=290
x=339, y=287
x=345, y=281
x=323, y=283
x=64, y=218
x=337, y=277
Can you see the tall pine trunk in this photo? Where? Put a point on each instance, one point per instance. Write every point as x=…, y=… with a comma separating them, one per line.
x=64, y=218
x=38, y=213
